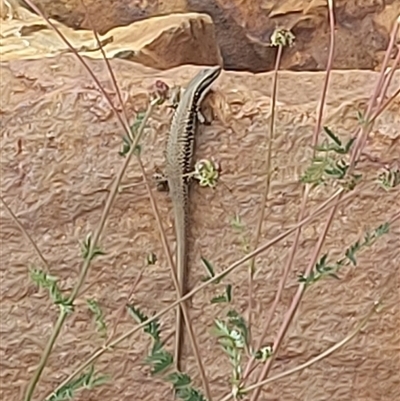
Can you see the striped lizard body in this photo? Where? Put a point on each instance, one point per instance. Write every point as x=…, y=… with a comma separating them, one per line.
x=179, y=163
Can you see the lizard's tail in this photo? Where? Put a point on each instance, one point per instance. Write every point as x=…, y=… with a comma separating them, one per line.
x=181, y=266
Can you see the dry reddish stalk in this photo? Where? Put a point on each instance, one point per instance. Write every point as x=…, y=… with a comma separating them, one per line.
x=356, y=152
x=307, y=189
x=267, y=186
x=338, y=200
x=107, y=208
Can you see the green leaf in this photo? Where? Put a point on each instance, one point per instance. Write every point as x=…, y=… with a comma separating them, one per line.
x=332, y=136
x=350, y=253
x=237, y=223
x=349, y=144
x=160, y=360
x=333, y=275
x=98, y=316
x=219, y=299
x=382, y=229
x=264, y=353
x=228, y=291
x=48, y=282
x=87, y=380
x=126, y=146
x=222, y=298
x=137, y=123
x=236, y=320
x=152, y=328
x=209, y=267
x=86, y=249
x=137, y=314
x=179, y=379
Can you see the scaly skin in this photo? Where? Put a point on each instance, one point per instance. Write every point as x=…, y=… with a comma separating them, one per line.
x=179, y=162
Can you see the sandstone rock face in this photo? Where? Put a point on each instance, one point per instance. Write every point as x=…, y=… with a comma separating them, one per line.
x=60, y=146
x=243, y=28
x=160, y=42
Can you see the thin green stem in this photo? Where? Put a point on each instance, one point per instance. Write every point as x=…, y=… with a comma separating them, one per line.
x=88, y=259
x=46, y=353
x=321, y=209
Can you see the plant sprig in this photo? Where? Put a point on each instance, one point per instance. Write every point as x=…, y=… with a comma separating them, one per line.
x=323, y=268
x=161, y=361
x=233, y=336
x=331, y=164
x=226, y=296
x=48, y=282
x=389, y=179
x=87, y=380
x=99, y=318
x=85, y=249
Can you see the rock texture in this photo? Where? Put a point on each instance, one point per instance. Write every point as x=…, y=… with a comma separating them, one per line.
x=59, y=153
x=243, y=28
x=160, y=42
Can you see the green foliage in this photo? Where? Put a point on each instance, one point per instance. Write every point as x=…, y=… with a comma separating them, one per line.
x=86, y=246
x=210, y=271
x=137, y=123
x=209, y=268
x=233, y=337
x=207, y=173
x=322, y=268
x=282, y=37
x=151, y=259
x=161, y=361
x=329, y=166
x=183, y=390
x=239, y=227
x=225, y=297
x=128, y=140
x=152, y=328
x=264, y=353
x=236, y=320
x=48, y=282
x=87, y=381
x=336, y=144
x=389, y=179
x=237, y=223
x=94, y=307
x=126, y=146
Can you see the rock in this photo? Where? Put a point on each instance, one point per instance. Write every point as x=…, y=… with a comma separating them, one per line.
x=243, y=28
x=167, y=41
x=60, y=146
x=159, y=42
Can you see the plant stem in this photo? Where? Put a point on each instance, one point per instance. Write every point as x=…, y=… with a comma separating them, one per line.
x=356, y=152
x=306, y=192
x=46, y=353
x=295, y=303
x=185, y=313
x=25, y=233
x=267, y=186
x=319, y=357
x=321, y=209
x=87, y=262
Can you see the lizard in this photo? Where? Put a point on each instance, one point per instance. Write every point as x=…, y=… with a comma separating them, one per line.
x=179, y=163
